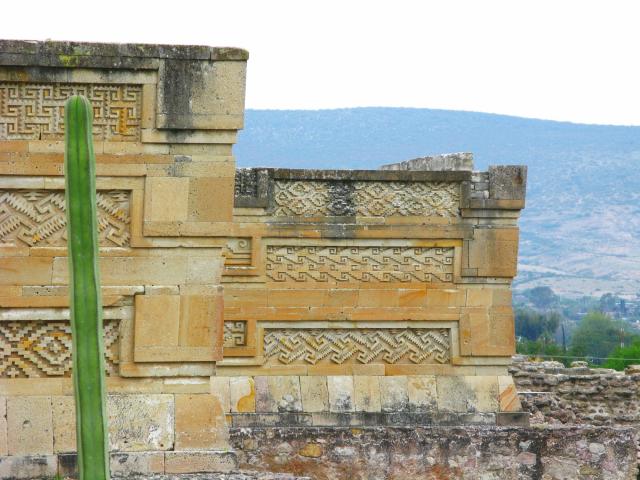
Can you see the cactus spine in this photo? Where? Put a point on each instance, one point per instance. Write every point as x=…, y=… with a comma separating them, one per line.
x=85, y=301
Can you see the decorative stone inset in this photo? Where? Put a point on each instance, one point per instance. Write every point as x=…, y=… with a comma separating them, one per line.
x=359, y=264
x=35, y=111
x=37, y=218
x=338, y=346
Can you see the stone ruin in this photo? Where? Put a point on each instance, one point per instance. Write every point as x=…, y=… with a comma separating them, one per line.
x=326, y=323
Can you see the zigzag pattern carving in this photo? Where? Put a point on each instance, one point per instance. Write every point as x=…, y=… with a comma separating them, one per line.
x=31, y=349
x=37, y=218
x=366, y=199
x=35, y=111
x=313, y=346
x=359, y=264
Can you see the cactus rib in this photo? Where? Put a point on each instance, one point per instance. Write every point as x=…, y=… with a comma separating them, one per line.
x=84, y=281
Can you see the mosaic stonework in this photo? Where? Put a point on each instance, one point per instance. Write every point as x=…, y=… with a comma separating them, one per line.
x=359, y=264
x=235, y=334
x=35, y=111
x=37, y=218
x=366, y=199
x=30, y=349
x=338, y=346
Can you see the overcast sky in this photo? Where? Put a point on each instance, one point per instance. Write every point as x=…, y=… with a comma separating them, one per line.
x=575, y=60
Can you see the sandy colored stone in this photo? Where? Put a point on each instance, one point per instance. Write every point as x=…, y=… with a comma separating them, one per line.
x=341, y=393
x=313, y=450
x=366, y=392
x=64, y=424
x=189, y=462
x=278, y=394
x=141, y=422
x=219, y=388
x=242, y=394
x=508, y=395
x=166, y=199
x=29, y=425
x=422, y=393
x=471, y=394
x=3, y=426
x=200, y=423
x=394, y=396
x=315, y=395
x=209, y=199
x=139, y=463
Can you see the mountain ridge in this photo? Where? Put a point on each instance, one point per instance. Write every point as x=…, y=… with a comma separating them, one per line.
x=583, y=194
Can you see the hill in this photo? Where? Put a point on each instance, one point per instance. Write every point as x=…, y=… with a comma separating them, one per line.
x=581, y=227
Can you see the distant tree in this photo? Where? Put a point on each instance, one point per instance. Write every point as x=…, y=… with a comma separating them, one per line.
x=542, y=297
x=546, y=350
x=621, y=357
x=532, y=325
x=598, y=335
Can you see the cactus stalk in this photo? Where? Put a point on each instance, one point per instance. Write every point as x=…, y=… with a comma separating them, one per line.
x=84, y=287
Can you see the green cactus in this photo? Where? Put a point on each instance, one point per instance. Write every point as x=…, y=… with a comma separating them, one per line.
x=84, y=282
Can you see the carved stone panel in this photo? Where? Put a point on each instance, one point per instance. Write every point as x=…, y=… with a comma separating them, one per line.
x=359, y=264
x=35, y=111
x=235, y=334
x=338, y=346
x=42, y=348
x=366, y=199
x=37, y=218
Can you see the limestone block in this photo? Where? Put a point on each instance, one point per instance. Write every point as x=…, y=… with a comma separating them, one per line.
x=366, y=391
x=508, y=395
x=141, y=422
x=220, y=389
x=3, y=426
x=341, y=393
x=200, y=423
x=315, y=395
x=508, y=182
x=64, y=424
x=422, y=393
x=394, y=394
x=29, y=425
x=166, y=199
x=200, y=95
x=28, y=467
x=178, y=328
x=26, y=270
x=140, y=463
x=493, y=252
x=278, y=394
x=487, y=332
x=472, y=394
x=189, y=462
x=242, y=394
x=210, y=199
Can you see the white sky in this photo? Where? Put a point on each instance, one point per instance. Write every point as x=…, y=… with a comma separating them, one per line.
x=576, y=60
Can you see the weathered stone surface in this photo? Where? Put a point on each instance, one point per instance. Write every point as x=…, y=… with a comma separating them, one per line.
x=29, y=425
x=141, y=422
x=341, y=393
x=28, y=467
x=199, y=423
x=205, y=461
x=470, y=452
x=437, y=163
x=3, y=426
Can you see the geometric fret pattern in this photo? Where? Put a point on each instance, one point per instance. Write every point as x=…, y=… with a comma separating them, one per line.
x=235, y=334
x=366, y=199
x=37, y=218
x=33, y=348
x=35, y=111
x=359, y=264
x=338, y=346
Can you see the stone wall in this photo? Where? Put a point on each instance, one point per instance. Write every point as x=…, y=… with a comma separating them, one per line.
x=244, y=297
x=434, y=453
x=578, y=395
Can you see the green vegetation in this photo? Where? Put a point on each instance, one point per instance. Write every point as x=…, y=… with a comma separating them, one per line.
x=597, y=330
x=85, y=301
